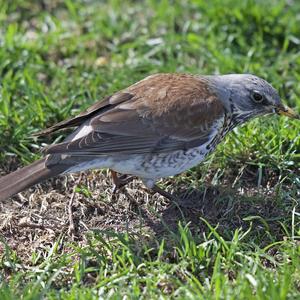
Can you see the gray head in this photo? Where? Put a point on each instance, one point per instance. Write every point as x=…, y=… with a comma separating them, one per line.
x=248, y=96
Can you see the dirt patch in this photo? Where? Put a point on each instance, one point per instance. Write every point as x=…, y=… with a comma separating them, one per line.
x=33, y=220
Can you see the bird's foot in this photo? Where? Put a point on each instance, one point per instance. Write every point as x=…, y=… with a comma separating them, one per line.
x=120, y=181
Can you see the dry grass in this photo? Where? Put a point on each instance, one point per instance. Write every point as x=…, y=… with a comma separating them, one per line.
x=234, y=233
x=35, y=218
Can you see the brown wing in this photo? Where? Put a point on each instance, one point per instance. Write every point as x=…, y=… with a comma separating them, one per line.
x=106, y=104
x=163, y=112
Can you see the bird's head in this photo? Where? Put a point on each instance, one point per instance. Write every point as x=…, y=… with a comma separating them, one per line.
x=248, y=96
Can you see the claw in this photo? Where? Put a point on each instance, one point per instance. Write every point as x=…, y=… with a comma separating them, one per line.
x=120, y=181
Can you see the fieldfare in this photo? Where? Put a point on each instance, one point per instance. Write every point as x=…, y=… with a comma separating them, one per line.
x=157, y=127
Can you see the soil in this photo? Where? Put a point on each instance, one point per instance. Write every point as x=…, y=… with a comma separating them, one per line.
x=75, y=205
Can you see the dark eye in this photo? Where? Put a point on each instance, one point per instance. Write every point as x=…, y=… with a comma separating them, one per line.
x=257, y=96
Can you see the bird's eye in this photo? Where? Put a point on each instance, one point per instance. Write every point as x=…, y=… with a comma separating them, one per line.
x=257, y=96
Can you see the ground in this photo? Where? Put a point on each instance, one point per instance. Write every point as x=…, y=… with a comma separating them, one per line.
x=234, y=231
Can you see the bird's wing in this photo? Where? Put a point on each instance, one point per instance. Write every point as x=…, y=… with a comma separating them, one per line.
x=161, y=113
x=101, y=106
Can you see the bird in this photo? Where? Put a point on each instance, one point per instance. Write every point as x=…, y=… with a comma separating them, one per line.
x=156, y=128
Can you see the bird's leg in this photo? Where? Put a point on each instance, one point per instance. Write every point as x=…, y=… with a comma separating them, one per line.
x=164, y=193
x=150, y=184
x=119, y=181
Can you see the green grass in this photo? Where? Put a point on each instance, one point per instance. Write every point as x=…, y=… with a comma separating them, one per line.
x=112, y=268
x=58, y=57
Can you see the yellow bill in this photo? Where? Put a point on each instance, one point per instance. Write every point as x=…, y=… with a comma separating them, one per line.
x=288, y=112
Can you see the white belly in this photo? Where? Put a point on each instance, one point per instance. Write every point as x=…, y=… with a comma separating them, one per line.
x=152, y=166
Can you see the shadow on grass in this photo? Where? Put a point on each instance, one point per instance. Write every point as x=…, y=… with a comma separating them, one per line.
x=225, y=209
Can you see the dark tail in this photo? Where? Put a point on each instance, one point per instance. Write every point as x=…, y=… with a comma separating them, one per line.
x=26, y=177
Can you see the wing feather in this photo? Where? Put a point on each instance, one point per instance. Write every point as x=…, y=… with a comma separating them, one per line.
x=165, y=112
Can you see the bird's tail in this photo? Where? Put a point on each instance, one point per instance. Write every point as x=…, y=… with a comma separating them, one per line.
x=26, y=177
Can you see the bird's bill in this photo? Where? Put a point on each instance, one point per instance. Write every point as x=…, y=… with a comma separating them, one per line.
x=286, y=111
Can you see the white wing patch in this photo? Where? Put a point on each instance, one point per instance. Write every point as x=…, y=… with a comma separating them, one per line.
x=80, y=132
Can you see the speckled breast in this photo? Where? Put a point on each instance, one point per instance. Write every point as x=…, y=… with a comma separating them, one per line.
x=167, y=164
